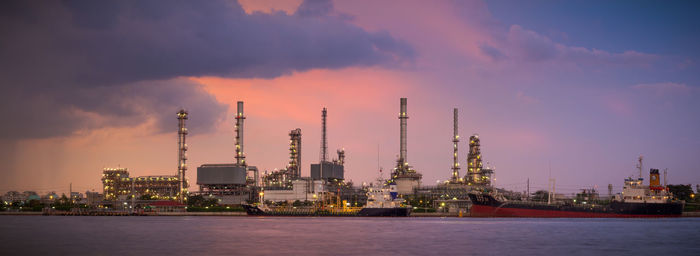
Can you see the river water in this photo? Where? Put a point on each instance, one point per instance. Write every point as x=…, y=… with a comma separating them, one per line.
x=203, y=235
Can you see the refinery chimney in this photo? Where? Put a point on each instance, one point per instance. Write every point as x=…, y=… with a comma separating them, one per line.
x=405, y=177
x=324, y=141
x=240, y=156
x=181, y=154
x=455, y=141
x=402, y=118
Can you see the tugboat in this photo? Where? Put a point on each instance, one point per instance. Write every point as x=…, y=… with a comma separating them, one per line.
x=635, y=201
x=381, y=202
x=384, y=202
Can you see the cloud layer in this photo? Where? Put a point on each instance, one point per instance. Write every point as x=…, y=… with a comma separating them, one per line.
x=63, y=62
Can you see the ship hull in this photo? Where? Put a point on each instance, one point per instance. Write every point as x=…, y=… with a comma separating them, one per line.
x=365, y=212
x=487, y=206
x=385, y=212
x=256, y=211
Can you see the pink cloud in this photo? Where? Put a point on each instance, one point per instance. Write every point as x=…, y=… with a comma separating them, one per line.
x=269, y=6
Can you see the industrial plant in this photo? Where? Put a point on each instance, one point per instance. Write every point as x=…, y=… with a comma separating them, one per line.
x=236, y=182
x=235, y=185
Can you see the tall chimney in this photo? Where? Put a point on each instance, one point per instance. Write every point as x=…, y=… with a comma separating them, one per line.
x=324, y=141
x=181, y=154
x=455, y=141
x=402, y=118
x=240, y=156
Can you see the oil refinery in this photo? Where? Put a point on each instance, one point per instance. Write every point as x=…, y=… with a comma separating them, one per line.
x=325, y=191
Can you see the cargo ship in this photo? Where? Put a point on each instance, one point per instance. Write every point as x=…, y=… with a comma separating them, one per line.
x=635, y=201
x=381, y=202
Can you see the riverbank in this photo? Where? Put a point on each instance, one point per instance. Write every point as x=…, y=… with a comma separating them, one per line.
x=415, y=214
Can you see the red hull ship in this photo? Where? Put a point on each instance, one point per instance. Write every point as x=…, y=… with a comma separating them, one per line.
x=635, y=201
x=484, y=205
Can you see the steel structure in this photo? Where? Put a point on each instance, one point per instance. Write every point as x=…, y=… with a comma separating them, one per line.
x=455, y=141
x=324, y=141
x=474, y=161
x=182, y=155
x=403, y=117
x=240, y=156
x=118, y=186
x=231, y=183
x=295, y=153
x=341, y=157
x=405, y=177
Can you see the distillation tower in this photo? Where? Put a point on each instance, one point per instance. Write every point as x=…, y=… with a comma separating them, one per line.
x=455, y=141
x=324, y=141
x=295, y=153
x=182, y=156
x=474, y=161
x=240, y=156
x=405, y=177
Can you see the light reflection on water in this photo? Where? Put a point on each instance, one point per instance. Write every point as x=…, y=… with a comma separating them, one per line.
x=58, y=235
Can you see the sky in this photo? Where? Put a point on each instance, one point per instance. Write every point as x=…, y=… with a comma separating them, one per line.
x=572, y=90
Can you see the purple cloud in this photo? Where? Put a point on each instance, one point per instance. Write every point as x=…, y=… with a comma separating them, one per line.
x=63, y=57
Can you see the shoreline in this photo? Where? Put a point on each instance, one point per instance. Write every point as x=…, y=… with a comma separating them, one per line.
x=243, y=214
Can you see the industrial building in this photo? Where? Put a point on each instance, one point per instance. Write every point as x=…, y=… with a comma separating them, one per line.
x=326, y=181
x=282, y=179
x=118, y=186
x=406, y=178
x=230, y=183
x=477, y=175
x=331, y=171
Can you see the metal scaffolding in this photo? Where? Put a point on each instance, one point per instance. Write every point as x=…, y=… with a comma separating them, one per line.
x=240, y=156
x=474, y=161
x=295, y=153
x=182, y=155
x=455, y=141
x=324, y=141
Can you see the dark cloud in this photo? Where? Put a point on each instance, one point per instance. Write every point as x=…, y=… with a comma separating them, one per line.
x=315, y=8
x=64, y=63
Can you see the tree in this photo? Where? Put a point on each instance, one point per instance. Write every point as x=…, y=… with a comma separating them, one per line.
x=63, y=200
x=680, y=191
x=197, y=200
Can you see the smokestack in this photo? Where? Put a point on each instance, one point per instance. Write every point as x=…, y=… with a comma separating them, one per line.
x=181, y=155
x=402, y=118
x=324, y=141
x=455, y=141
x=240, y=156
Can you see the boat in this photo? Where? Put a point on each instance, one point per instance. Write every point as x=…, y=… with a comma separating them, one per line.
x=384, y=202
x=635, y=201
x=265, y=210
x=381, y=202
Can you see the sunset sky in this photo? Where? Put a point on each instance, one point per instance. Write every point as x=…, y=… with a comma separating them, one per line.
x=582, y=86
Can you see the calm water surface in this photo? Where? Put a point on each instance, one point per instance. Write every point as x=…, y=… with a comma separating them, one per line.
x=58, y=235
